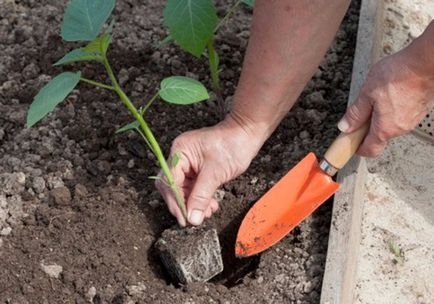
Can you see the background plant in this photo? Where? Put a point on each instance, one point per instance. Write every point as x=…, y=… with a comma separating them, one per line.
x=84, y=21
x=192, y=25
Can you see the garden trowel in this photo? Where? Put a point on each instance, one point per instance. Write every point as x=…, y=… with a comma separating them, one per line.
x=295, y=196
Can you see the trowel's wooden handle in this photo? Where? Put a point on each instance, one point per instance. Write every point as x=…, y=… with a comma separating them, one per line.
x=344, y=146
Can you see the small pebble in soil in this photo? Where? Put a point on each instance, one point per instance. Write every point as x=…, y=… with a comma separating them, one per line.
x=219, y=195
x=3, y=216
x=38, y=184
x=154, y=203
x=3, y=202
x=12, y=182
x=80, y=191
x=191, y=254
x=52, y=270
x=130, y=164
x=304, y=134
x=138, y=290
x=91, y=293
x=60, y=196
x=6, y=231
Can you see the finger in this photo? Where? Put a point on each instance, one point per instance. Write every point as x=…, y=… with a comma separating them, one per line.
x=356, y=115
x=169, y=197
x=372, y=146
x=208, y=212
x=214, y=205
x=201, y=196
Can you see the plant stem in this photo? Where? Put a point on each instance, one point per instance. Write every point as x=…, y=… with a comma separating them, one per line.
x=143, y=111
x=98, y=84
x=228, y=14
x=149, y=136
x=214, y=71
x=213, y=66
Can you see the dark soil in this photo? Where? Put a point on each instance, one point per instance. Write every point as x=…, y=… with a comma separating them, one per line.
x=78, y=216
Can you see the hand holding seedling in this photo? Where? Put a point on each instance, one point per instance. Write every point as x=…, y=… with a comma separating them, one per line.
x=83, y=21
x=209, y=158
x=397, y=94
x=282, y=55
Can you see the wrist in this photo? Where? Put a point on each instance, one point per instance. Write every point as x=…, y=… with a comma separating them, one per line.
x=252, y=130
x=244, y=132
x=418, y=55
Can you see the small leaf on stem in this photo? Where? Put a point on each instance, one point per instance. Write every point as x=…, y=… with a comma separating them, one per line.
x=182, y=90
x=168, y=39
x=175, y=159
x=250, y=3
x=84, y=19
x=99, y=45
x=132, y=125
x=77, y=55
x=51, y=95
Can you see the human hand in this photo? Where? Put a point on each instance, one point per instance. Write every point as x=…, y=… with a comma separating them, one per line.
x=209, y=157
x=395, y=97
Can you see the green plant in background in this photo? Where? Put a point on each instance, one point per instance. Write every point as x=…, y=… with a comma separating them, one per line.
x=398, y=254
x=84, y=21
x=192, y=25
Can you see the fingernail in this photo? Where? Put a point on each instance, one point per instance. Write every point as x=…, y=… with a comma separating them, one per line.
x=196, y=217
x=343, y=125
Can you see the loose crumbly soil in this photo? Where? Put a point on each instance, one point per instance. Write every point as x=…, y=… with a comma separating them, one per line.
x=78, y=216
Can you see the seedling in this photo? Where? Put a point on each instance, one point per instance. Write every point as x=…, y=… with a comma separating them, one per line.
x=84, y=21
x=192, y=25
x=398, y=255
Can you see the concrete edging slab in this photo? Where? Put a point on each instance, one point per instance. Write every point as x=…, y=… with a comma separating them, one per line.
x=345, y=231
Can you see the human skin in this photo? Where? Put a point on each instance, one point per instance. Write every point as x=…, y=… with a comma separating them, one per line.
x=396, y=96
x=283, y=53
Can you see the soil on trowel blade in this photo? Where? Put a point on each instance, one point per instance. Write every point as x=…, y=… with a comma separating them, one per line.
x=78, y=215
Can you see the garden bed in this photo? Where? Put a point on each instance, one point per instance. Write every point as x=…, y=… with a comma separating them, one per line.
x=78, y=216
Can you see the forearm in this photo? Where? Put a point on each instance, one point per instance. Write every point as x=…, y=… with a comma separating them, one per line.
x=288, y=41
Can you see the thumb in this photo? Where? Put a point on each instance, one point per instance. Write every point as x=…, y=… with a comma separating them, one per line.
x=357, y=114
x=201, y=196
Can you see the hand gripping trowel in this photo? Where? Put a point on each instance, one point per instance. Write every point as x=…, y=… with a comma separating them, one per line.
x=295, y=196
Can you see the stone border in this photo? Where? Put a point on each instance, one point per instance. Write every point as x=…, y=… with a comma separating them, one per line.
x=345, y=232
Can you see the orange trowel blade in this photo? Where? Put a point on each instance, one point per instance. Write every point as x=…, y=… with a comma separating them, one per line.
x=284, y=206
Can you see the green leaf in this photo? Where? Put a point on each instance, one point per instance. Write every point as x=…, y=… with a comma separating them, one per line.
x=77, y=55
x=182, y=90
x=132, y=125
x=191, y=23
x=175, y=159
x=51, y=95
x=250, y=3
x=84, y=19
x=154, y=177
x=99, y=45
